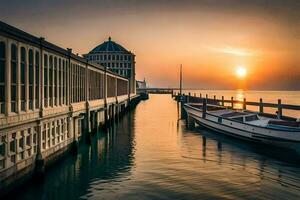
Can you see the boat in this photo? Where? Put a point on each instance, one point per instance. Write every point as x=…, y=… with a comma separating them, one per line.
x=246, y=124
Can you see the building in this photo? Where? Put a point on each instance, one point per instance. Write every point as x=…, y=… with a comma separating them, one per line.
x=116, y=58
x=49, y=98
x=140, y=85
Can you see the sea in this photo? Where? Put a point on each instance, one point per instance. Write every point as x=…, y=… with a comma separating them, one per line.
x=151, y=155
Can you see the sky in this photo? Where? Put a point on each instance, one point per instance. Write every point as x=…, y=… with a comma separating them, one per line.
x=210, y=38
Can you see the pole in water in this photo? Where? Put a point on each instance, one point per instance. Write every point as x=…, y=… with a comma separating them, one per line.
x=180, y=86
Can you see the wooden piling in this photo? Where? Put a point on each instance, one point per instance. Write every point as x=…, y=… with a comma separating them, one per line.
x=222, y=102
x=232, y=103
x=261, y=106
x=204, y=109
x=279, y=109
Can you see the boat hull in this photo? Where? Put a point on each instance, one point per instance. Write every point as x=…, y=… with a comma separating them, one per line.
x=283, y=139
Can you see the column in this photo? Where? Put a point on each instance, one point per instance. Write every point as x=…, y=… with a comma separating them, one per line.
x=116, y=89
x=40, y=164
x=86, y=87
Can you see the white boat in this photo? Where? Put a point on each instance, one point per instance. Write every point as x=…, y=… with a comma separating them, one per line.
x=246, y=124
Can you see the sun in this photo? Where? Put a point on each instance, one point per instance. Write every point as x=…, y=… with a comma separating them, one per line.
x=241, y=72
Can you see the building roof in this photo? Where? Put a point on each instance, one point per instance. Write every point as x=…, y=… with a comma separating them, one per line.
x=109, y=46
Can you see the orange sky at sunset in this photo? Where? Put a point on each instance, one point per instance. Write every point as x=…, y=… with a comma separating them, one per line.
x=210, y=38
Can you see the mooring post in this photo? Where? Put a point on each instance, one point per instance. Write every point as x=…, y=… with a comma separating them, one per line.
x=182, y=111
x=200, y=95
x=194, y=94
x=222, y=101
x=232, y=102
x=206, y=96
x=279, y=111
x=204, y=109
x=261, y=106
x=190, y=122
x=244, y=104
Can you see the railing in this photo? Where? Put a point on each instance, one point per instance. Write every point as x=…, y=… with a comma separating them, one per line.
x=244, y=103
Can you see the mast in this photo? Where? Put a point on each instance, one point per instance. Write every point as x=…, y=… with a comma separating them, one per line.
x=180, y=87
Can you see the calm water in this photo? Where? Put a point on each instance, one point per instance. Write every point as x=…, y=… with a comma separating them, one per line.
x=151, y=155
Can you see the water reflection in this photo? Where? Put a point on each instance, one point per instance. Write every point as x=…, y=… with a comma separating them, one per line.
x=240, y=97
x=151, y=155
x=110, y=157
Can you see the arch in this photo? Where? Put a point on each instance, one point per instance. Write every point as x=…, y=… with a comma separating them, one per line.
x=31, y=77
x=13, y=73
x=45, y=80
x=23, y=78
x=37, y=78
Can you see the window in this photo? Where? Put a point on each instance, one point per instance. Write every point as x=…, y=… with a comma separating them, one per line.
x=108, y=57
x=128, y=73
x=251, y=118
x=64, y=81
x=117, y=57
x=23, y=78
x=31, y=73
x=105, y=57
x=55, y=81
x=113, y=57
x=239, y=119
x=60, y=83
x=37, y=79
x=2, y=77
x=51, y=71
x=101, y=57
x=46, y=80
x=14, y=61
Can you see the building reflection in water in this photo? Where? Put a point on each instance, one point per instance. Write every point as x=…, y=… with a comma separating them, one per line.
x=110, y=156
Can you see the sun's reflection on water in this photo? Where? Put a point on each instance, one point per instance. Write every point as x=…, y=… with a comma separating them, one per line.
x=240, y=95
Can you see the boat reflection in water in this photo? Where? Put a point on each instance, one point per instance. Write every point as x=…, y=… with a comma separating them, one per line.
x=151, y=155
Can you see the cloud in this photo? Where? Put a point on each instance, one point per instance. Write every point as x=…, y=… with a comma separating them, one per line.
x=234, y=51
